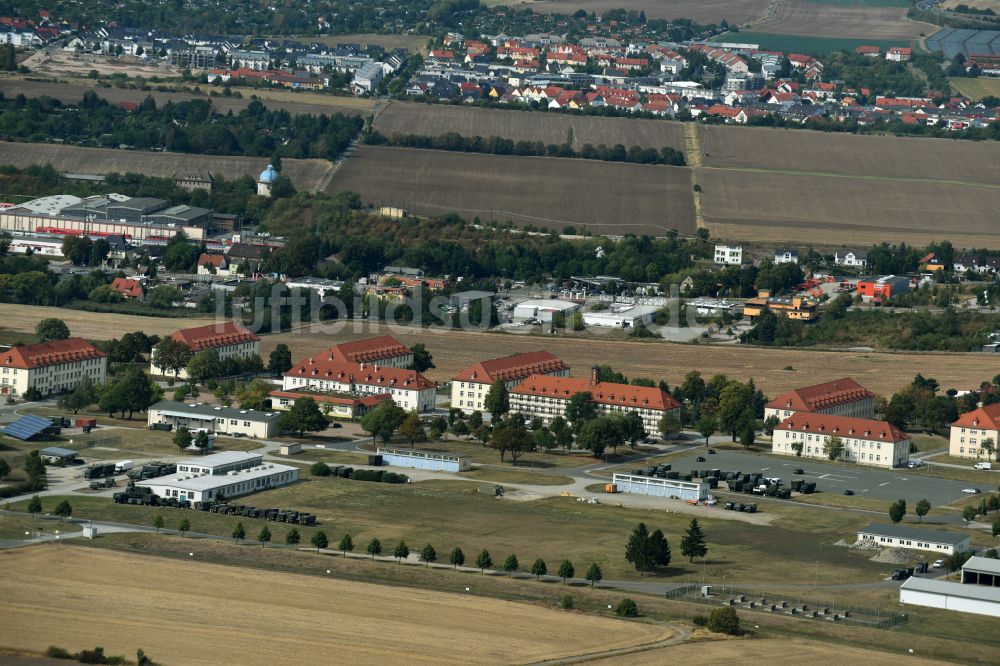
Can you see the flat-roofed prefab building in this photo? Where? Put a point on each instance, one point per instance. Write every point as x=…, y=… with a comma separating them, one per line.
x=220, y=463
x=657, y=487
x=981, y=571
x=915, y=538
x=195, y=487
x=213, y=418
x=436, y=462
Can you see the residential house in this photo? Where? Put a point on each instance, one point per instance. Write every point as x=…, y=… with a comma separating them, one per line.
x=212, y=264
x=326, y=373
x=898, y=53
x=783, y=256
x=729, y=255
x=230, y=339
x=854, y=258
x=129, y=288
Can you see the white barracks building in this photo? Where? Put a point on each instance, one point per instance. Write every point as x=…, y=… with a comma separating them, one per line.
x=866, y=441
x=51, y=367
x=469, y=387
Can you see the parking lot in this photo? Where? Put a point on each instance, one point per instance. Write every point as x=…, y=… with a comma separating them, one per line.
x=880, y=484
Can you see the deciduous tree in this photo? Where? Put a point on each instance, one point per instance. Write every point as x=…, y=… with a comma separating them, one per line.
x=457, y=557
x=51, y=329
x=922, y=508
x=538, y=569
x=374, y=548
x=594, y=574
x=239, y=533
x=897, y=511
x=412, y=428
x=566, y=570
x=304, y=415
x=484, y=560
x=428, y=555
x=497, y=400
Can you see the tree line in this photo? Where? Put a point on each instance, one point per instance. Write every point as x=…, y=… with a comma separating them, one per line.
x=494, y=145
x=182, y=127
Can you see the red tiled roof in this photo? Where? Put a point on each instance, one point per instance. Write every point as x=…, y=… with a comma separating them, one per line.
x=843, y=426
x=821, y=396
x=127, y=287
x=217, y=260
x=53, y=352
x=986, y=418
x=328, y=368
x=332, y=399
x=369, y=350
x=605, y=393
x=214, y=335
x=517, y=366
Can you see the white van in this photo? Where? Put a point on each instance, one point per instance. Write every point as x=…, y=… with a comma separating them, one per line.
x=124, y=466
x=983, y=465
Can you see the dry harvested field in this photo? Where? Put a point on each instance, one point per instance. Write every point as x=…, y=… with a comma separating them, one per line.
x=306, y=175
x=830, y=19
x=277, y=617
x=710, y=11
x=883, y=373
x=295, y=103
x=850, y=154
x=791, y=651
x=91, y=325
x=62, y=63
x=411, y=118
x=832, y=210
x=607, y=198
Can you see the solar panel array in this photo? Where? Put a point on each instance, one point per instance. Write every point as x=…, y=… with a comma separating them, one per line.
x=27, y=427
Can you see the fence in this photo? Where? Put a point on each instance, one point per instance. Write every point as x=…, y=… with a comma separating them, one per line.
x=103, y=442
x=762, y=601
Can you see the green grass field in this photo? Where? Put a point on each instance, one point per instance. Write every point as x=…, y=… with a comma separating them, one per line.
x=976, y=88
x=805, y=44
x=450, y=513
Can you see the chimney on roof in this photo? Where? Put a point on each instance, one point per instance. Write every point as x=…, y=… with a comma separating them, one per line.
x=595, y=376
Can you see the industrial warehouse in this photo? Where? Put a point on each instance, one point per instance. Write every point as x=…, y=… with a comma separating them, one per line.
x=229, y=474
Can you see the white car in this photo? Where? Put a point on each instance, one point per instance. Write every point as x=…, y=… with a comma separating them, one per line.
x=971, y=491
x=938, y=564
x=913, y=464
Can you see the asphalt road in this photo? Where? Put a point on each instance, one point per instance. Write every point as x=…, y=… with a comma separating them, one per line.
x=880, y=484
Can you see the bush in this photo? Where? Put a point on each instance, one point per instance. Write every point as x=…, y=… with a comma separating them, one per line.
x=58, y=653
x=627, y=608
x=320, y=469
x=567, y=602
x=724, y=621
x=700, y=621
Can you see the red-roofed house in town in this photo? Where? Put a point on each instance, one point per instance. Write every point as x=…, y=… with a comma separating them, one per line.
x=865, y=441
x=898, y=53
x=326, y=373
x=972, y=428
x=469, y=387
x=337, y=405
x=385, y=350
x=128, y=287
x=51, y=367
x=547, y=396
x=842, y=397
x=229, y=339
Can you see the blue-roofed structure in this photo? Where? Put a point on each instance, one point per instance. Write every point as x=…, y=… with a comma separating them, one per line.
x=27, y=427
x=55, y=455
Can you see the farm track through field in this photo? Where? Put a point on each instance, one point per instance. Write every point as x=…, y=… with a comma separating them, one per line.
x=692, y=152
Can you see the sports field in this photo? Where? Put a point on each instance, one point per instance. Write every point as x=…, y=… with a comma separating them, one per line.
x=710, y=11
x=557, y=128
x=183, y=612
x=604, y=197
x=811, y=44
x=306, y=175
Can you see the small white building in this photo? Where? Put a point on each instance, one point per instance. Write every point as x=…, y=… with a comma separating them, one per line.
x=201, y=486
x=620, y=315
x=915, y=538
x=543, y=309
x=729, y=255
x=657, y=487
x=215, y=419
x=437, y=462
